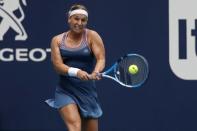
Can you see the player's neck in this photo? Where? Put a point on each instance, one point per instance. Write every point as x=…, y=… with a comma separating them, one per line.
x=74, y=35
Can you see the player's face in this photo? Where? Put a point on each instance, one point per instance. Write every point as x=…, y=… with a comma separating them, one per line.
x=78, y=22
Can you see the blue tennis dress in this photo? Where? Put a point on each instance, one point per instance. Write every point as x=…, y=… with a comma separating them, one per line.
x=73, y=90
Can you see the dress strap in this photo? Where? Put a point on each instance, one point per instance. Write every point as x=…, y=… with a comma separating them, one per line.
x=62, y=43
x=85, y=39
x=85, y=35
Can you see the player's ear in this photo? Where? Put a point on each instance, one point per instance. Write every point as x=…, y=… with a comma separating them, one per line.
x=69, y=20
x=87, y=20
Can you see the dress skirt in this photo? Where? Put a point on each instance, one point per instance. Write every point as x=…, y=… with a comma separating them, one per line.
x=81, y=93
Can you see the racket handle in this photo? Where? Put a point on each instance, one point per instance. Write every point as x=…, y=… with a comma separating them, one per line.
x=98, y=74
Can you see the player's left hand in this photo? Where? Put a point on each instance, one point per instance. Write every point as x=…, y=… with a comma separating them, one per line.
x=95, y=76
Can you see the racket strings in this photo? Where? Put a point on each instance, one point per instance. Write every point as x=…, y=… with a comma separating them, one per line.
x=125, y=76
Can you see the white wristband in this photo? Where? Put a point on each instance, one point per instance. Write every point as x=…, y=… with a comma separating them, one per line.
x=73, y=71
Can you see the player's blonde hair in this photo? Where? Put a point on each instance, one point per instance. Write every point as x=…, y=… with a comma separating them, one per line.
x=76, y=7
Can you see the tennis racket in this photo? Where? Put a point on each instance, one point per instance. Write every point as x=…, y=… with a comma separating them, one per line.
x=130, y=71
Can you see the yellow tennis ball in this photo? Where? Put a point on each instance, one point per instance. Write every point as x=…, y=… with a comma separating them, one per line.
x=133, y=69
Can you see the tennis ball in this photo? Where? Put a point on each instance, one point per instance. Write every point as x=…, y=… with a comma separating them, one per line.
x=133, y=69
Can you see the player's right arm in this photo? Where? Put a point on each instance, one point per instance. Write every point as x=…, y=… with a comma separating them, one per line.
x=56, y=58
x=57, y=61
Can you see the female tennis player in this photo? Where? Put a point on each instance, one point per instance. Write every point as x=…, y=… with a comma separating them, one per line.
x=76, y=54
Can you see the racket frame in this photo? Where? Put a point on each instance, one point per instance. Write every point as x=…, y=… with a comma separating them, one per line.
x=114, y=77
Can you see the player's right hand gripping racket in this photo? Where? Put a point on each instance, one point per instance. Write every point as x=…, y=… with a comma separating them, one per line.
x=129, y=71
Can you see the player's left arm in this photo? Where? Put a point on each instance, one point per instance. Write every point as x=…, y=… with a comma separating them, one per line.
x=97, y=47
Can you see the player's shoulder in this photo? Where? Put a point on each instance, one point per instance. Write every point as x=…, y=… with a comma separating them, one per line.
x=57, y=38
x=93, y=35
x=92, y=32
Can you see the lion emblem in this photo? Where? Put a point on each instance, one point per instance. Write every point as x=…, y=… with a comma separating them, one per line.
x=9, y=20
